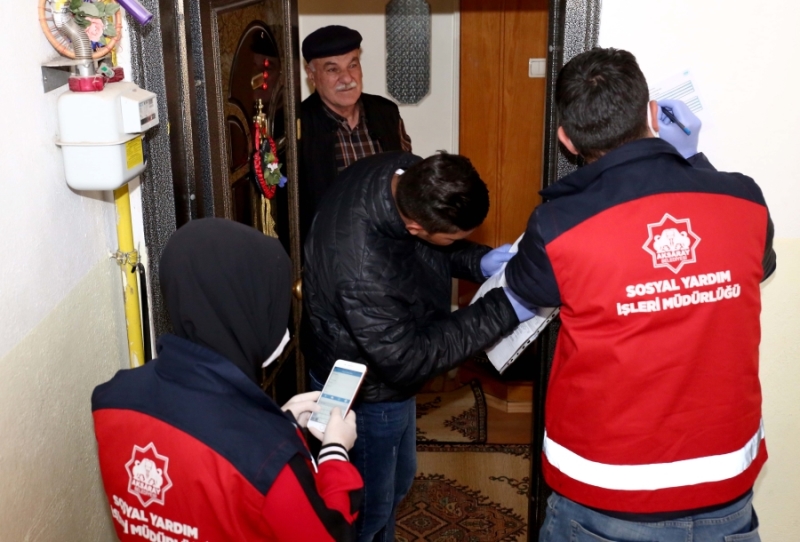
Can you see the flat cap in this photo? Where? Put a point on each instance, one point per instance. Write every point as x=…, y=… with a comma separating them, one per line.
x=331, y=40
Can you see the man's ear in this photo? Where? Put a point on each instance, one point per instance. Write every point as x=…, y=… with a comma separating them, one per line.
x=414, y=228
x=310, y=72
x=653, y=105
x=566, y=141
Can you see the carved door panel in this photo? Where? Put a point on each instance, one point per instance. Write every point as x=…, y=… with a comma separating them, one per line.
x=249, y=66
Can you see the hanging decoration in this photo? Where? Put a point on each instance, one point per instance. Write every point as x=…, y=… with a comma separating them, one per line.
x=408, y=50
x=101, y=20
x=266, y=168
x=96, y=18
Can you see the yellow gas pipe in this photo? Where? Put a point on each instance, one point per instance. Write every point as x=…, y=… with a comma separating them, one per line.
x=127, y=257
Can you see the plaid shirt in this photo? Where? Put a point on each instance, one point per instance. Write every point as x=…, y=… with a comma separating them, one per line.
x=356, y=143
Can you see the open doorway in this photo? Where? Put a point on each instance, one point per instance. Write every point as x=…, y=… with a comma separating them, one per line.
x=167, y=60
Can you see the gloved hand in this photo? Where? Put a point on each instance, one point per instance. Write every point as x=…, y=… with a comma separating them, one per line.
x=339, y=431
x=523, y=310
x=672, y=133
x=302, y=405
x=493, y=260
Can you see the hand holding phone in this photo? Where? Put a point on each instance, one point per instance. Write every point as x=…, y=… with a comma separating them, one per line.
x=302, y=406
x=339, y=431
x=339, y=391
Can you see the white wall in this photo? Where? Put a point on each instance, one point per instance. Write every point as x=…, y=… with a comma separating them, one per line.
x=744, y=57
x=433, y=123
x=61, y=327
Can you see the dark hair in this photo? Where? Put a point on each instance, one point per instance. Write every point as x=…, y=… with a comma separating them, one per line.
x=601, y=98
x=443, y=193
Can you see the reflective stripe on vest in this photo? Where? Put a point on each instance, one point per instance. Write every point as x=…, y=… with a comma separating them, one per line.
x=658, y=475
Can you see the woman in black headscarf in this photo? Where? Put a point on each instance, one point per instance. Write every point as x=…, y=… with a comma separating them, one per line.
x=191, y=439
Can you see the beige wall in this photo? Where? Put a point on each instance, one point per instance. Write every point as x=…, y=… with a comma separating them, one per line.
x=51, y=488
x=778, y=488
x=741, y=55
x=61, y=328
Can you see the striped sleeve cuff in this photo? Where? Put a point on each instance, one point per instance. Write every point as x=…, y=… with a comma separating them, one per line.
x=333, y=451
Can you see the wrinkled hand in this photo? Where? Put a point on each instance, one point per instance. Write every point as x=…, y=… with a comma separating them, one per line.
x=523, y=310
x=302, y=406
x=493, y=260
x=339, y=431
x=672, y=133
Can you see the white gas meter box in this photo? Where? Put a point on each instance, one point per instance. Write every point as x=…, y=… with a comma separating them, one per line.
x=101, y=134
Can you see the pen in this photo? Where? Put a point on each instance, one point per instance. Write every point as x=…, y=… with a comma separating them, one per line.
x=671, y=116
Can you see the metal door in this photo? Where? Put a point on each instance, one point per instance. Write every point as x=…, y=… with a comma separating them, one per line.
x=236, y=59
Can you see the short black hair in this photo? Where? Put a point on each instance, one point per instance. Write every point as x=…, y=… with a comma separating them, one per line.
x=443, y=193
x=601, y=98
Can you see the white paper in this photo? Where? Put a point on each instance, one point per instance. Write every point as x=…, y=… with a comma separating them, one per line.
x=683, y=86
x=679, y=87
x=505, y=351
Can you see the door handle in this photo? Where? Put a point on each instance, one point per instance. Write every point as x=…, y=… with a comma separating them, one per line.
x=297, y=289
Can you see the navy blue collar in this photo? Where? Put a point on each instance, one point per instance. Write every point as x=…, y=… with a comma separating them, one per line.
x=579, y=180
x=196, y=367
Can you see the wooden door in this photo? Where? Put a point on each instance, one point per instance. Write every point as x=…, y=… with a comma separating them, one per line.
x=247, y=62
x=501, y=118
x=502, y=130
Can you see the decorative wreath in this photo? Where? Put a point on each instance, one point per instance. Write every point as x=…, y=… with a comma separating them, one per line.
x=101, y=19
x=266, y=153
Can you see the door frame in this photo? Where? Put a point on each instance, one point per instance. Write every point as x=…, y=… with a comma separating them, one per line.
x=171, y=194
x=573, y=28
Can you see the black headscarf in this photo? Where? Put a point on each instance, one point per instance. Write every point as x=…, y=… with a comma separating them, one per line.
x=227, y=287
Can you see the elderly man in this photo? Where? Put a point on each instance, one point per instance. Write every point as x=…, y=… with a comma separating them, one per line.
x=340, y=124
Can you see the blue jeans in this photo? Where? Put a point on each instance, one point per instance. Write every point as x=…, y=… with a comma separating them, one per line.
x=569, y=521
x=385, y=453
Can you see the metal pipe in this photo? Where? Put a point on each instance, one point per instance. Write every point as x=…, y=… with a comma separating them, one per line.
x=137, y=11
x=130, y=287
x=81, y=44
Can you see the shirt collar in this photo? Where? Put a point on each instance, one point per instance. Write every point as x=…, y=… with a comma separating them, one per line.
x=579, y=180
x=341, y=121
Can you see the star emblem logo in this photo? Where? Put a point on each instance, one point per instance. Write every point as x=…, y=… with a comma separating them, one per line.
x=148, y=477
x=672, y=243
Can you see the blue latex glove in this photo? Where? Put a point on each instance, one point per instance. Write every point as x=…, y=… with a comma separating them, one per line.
x=523, y=310
x=493, y=260
x=674, y=134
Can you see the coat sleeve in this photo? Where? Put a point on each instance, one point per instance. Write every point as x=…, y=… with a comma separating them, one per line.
x=302, y=505
x=530, y=274
x=465, y=260
x=405, y=353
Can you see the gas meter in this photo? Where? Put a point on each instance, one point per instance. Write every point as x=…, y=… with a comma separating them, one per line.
x=100, y=134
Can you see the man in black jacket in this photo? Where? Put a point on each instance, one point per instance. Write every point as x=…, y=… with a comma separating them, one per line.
x=379, y=262
x=339, y=123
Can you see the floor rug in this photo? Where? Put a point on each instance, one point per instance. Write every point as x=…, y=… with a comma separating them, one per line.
x=467, y=493
x=457, y=416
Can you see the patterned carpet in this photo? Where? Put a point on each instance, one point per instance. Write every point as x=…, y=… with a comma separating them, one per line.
x=457, y=416
x=463, y=492
x=467, y=493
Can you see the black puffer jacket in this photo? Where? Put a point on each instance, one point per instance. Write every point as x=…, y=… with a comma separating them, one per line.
x=375, y=294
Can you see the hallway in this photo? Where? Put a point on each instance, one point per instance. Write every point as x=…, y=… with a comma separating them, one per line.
x=63, y=325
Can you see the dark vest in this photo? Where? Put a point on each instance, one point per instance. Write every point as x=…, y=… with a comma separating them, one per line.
x=317, y=149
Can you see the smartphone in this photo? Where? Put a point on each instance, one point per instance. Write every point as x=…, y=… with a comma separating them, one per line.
x=339, y=390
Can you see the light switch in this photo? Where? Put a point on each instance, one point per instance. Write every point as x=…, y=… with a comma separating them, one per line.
x=537, y=67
